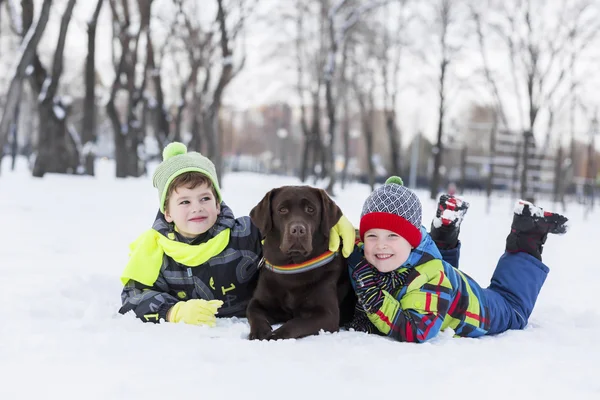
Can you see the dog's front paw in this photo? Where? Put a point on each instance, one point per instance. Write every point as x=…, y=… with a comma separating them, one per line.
x=279, y=334
x=261, y=333
x=286, y=331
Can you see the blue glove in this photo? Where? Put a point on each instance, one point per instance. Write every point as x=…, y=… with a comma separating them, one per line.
x=361, y=322
x=367, y=289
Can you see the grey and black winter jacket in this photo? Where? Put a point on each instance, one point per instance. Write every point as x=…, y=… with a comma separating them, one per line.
x=229, y=276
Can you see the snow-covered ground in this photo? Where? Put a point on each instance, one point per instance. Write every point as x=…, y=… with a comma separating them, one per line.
x=65, y=241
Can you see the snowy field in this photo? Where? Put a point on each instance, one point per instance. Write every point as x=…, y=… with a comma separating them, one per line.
x=65, y=242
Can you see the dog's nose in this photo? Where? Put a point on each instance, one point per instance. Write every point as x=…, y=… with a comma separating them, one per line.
x=298, y=230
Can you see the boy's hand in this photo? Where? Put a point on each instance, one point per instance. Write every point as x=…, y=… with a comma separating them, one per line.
x=344, y=230
x=195, y=312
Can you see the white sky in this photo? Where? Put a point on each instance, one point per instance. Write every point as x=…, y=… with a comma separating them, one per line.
x=268, y=78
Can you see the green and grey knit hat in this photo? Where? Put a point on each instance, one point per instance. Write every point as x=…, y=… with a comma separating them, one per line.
x=176, y=161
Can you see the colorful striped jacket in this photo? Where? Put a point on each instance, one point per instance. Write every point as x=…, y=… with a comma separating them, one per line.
x=435, y=296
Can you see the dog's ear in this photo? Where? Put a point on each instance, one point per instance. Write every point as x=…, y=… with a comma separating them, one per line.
x=331, y=213
x=261, y=214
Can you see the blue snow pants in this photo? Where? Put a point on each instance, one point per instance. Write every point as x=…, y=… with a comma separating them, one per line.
x=513, y=291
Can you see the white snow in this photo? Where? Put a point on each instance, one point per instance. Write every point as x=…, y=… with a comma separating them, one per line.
x=65, y=242
x=14, y=10
x=227, y=60
x=59, y=111
x=538, y=211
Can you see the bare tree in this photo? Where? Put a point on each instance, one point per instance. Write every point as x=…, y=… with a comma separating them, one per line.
x=498, y=105
x=446, y=13
x=337, y=36
x=128, y=135
x=228, y=37
x=156, y=104
x=191, y=41
x=309, y=46
x=362, y=81
x=57, y=149
x=215, y=55
x=541, y=57
x=28, y=50
x=89, y=111
x=1, y=1
x=391, y=39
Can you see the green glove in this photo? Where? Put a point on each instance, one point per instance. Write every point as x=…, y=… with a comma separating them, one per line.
x=195, y=312
x=344, y=230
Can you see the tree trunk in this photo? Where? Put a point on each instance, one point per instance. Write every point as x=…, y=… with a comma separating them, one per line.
x=394, y=140
x=307, y=143
x=160, y=113
x=14, y=130
x=346, y=137
x=463, y=169
x=492, y=149
x=176, y=137
x=439, y=148
x=367, y=122
x=224, y=80
x=329, y=149
x=305, y=157
x=30, y=43
x=316, y=150
x=525, y=193
x=366, y=118
x=89, y=109
x=119, y=140
x=558, y=175
x=208, y=134
x=57, y=151
x=55, y=148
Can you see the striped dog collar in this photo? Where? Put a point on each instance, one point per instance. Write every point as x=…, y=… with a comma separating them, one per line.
x=302, y=267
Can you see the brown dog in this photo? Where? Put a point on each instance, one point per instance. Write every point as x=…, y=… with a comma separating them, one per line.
x=301, y=284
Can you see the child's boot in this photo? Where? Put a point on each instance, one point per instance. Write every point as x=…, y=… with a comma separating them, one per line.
x=530, y=228
x=445, y=227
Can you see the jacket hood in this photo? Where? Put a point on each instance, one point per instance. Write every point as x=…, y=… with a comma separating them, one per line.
x=426, y=246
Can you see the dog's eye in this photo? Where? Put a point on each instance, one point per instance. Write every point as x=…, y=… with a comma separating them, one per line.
x=283, y=210
x=309, y=209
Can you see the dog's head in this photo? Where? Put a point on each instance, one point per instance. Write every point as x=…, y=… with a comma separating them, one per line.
x=297, y=218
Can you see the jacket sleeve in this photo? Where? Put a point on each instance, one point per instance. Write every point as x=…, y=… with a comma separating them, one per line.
x=451, y=256
x=418, y=313
x=150, y=304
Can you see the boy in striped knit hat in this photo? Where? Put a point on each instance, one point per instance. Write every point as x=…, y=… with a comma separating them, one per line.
x=408, y=292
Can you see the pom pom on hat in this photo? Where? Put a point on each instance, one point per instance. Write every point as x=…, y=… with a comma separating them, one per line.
x=174, y=149
x=394, y=179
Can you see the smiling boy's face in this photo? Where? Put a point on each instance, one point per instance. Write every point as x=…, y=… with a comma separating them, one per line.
x=385, y=250
x=193, y=211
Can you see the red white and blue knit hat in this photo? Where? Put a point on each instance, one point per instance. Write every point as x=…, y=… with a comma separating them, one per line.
x=394, y=207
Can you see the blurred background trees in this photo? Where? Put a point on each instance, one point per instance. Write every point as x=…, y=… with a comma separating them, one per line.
x=495, y=96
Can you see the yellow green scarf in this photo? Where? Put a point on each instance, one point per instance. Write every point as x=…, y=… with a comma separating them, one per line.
x=147, y=251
